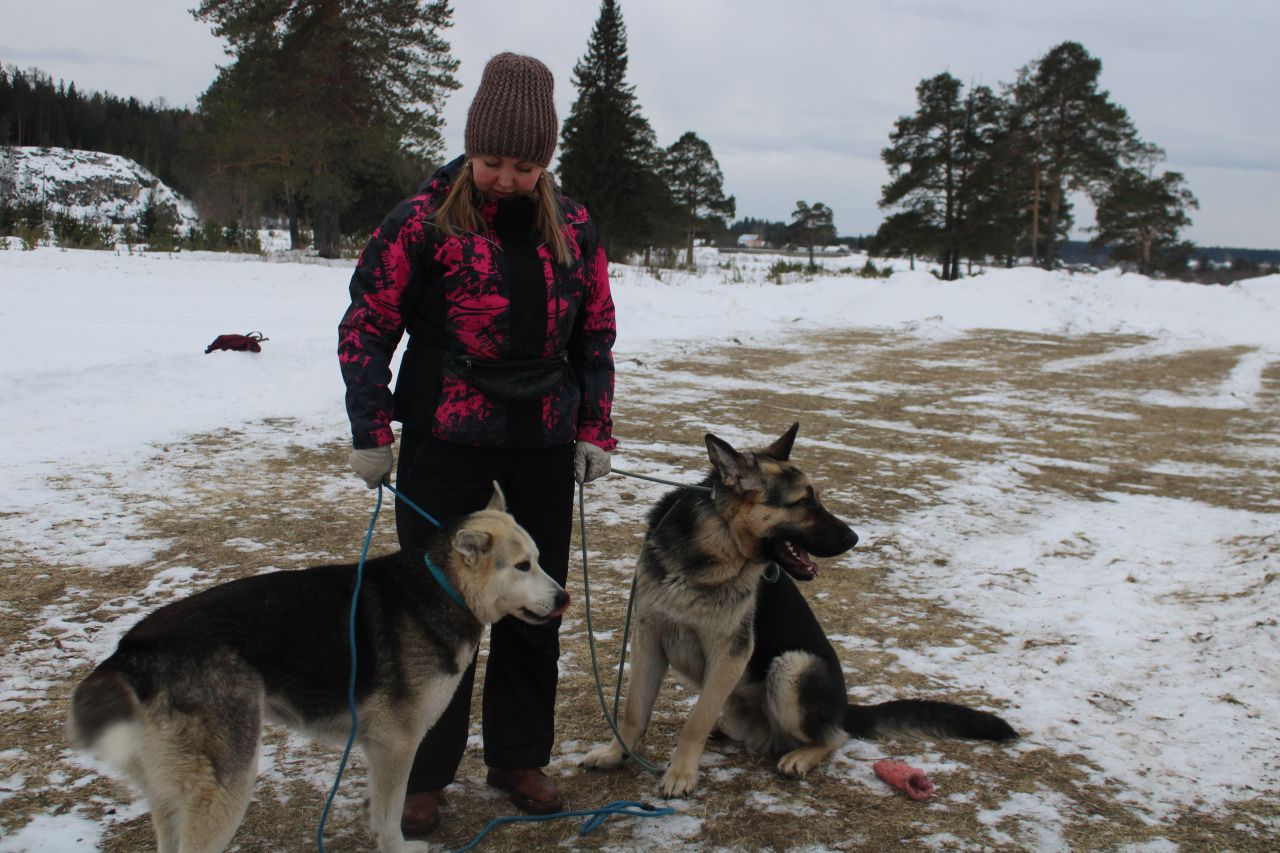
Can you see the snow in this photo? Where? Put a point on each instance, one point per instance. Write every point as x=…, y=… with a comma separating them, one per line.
x=1132, y=602
x=91, y=184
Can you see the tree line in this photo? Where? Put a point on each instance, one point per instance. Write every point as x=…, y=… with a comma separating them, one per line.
x=36, y=111
x=978, y=174
x=330, y=112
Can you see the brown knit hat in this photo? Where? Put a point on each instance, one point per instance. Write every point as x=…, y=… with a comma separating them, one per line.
x=514, y=113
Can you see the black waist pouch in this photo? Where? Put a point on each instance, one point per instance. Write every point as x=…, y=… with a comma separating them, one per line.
x=511, y=380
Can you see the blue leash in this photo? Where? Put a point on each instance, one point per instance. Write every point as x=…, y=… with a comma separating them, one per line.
x=351, y=683
x=595, y=817
x=351, y=637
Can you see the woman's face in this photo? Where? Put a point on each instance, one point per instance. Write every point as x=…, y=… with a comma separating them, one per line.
x=503, y=177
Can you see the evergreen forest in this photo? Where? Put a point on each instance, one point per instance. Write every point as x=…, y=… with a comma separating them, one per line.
x=328, y=113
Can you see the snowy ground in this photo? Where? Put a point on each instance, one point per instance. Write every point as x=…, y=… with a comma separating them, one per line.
x=1067, y=488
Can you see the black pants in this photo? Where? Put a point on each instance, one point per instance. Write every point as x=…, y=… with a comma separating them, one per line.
x=448, y=480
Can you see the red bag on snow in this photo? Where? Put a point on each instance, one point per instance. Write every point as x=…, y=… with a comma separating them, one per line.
x=250, y=342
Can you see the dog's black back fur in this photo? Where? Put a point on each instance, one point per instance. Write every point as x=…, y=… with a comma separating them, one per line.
x=680, y=514
x=269, y=622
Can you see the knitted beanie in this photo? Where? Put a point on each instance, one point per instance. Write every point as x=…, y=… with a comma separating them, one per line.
x=514, y=113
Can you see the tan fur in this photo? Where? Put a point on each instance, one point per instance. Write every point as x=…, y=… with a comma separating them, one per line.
x=702, y=642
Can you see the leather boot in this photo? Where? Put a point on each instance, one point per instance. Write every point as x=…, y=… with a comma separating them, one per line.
x=531, y=791
x=421, y=815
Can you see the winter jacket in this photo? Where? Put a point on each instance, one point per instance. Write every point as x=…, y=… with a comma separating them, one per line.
x=496, y=296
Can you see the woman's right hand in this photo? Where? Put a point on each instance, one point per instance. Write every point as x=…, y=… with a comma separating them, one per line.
x=372, y=464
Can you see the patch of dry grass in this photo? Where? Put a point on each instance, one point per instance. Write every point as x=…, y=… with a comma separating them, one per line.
x=891, y=422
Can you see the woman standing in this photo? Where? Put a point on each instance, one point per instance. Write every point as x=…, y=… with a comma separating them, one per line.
x=502, y=285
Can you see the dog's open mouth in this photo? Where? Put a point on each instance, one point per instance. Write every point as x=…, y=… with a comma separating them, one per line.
x=794, y=560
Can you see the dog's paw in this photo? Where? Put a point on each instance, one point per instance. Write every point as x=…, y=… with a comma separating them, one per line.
x=800, y=761
x=678, y=783
x=794, y=764
x=607, y=757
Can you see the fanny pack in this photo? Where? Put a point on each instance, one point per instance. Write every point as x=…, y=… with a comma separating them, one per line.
x=511, y=380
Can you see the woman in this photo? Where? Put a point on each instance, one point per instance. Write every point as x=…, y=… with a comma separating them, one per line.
x=503, y=288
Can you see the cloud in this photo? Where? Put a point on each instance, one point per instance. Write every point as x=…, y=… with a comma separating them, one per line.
x=52, y=57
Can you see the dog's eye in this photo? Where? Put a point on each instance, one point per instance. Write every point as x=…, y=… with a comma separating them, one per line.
x=523, y=566
x=809, y=499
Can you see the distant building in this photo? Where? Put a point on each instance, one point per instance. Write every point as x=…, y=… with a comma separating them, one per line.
x=750, y=241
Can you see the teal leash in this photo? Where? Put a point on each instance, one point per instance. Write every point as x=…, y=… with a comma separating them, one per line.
x=595, y=817
x=431, y=567
x=351, y=682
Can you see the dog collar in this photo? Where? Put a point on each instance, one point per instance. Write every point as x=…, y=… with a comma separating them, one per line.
x=444, y=583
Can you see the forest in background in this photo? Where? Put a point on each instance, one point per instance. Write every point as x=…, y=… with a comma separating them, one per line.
x=299, y=130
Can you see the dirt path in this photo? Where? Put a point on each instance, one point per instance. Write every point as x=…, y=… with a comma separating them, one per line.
x=889, y=421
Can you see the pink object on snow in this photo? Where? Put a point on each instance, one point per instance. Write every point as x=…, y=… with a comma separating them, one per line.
x=909, y=779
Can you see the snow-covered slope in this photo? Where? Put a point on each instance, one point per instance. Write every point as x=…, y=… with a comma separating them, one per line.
x=102, y=187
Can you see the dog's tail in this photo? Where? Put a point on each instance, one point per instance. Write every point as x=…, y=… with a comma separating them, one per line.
x=104, y=717
x=927, y=718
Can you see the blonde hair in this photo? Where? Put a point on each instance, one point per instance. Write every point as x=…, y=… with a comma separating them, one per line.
x=460, y=212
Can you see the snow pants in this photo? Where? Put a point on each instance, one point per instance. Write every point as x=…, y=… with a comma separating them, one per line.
x=449, y=480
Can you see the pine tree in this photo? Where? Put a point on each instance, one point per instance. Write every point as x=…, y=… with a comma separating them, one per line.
x=938, y=159
x=812, y=226
x=907, y=233
x=609, y=157
x=324, y=92
x=1076, y=137
x=697, y=185
x=1139, y=214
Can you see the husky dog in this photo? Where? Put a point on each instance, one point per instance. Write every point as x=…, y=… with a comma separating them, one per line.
x=179, y=706
x=711, y=603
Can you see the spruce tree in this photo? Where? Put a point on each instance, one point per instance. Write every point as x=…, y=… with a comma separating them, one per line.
x=323, y=93
x=609, y=156
x=697, y=186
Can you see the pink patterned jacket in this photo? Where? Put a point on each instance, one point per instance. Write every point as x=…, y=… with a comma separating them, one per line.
x=491, y=296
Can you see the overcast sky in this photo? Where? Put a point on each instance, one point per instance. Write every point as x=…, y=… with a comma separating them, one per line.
x=796, y=99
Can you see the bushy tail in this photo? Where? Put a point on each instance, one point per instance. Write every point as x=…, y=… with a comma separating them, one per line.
x=104, y=716
x=927, y=718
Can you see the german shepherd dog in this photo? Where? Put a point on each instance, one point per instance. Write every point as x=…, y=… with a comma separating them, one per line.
x=747, y=640
x=179, y=706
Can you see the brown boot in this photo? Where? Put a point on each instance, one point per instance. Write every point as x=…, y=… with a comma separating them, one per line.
x=531, y=791
x=421, y=815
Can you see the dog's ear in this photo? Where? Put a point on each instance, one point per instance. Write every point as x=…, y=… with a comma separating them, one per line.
x=498, y=501
x=781, y=449
x=472, y=544
x=736, y=470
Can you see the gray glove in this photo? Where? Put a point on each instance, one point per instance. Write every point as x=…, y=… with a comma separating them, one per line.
x=589, y=462
x=372, y=464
